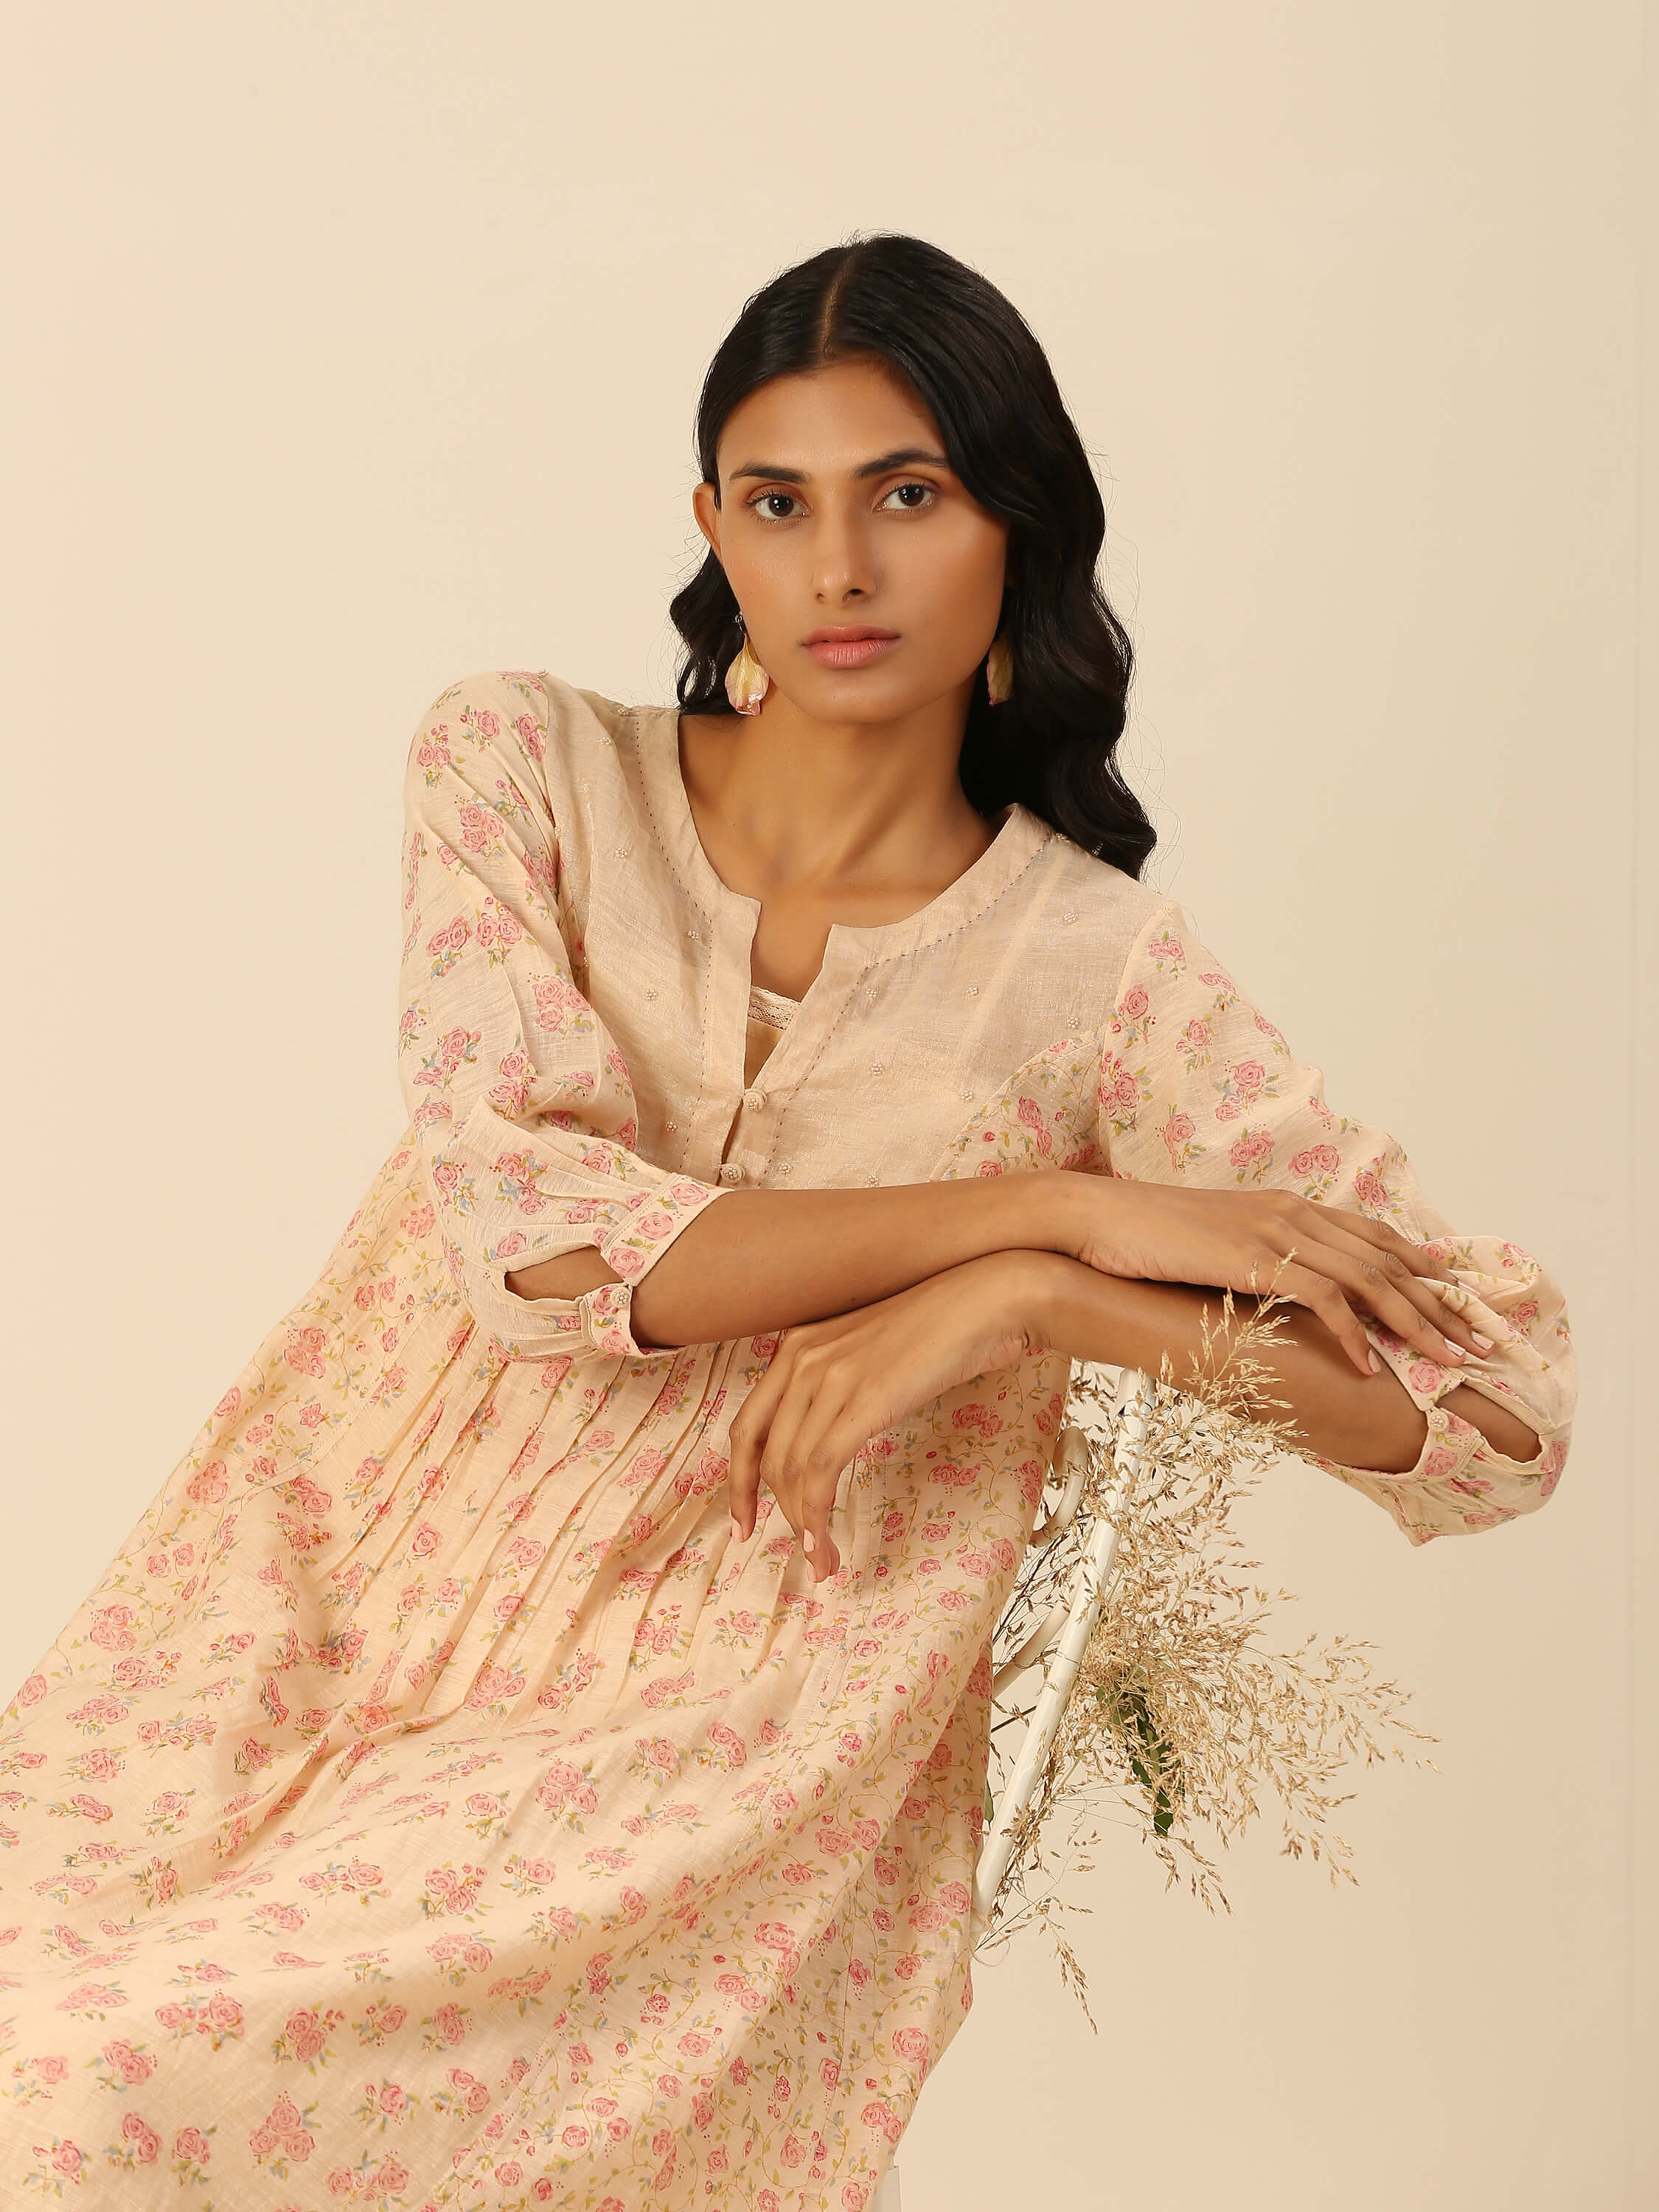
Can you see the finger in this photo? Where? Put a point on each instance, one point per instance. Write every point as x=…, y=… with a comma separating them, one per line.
x=1374, y=1241
x=742, y=1475
x=1449, y=1318
x=823, y=1555
x=1451, y=1326
x=1321, y=1297
x=1387, y=1238
x=1413, y=1306
x=1405, y=1264
x=1445, y=1336
x=822, y=1454
x=779, y=1468
x=749, y=1431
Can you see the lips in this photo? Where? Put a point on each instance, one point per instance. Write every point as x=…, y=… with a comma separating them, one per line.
x=849, y=645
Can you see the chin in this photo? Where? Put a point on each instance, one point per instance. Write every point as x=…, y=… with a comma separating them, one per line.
x=858, y=696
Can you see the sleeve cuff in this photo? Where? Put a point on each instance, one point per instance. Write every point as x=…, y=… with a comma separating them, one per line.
x=600, y=1320
x=1460, y=1484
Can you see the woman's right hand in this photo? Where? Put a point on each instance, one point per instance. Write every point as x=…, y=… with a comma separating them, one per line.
x=1344, y=1263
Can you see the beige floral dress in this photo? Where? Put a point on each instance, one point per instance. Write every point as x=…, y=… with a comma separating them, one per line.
x=431, y=1806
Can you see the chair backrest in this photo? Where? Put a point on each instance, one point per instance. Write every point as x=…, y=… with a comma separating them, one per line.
x=1056, y=1602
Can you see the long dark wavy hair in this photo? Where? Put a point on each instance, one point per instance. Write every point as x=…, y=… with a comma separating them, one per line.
x=975, y=364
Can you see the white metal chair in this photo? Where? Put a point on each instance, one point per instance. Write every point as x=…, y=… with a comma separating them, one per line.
x=1038, y=1628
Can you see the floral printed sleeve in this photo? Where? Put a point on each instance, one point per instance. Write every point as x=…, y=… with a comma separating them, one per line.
x=522, y=1103
x=1199, y=1088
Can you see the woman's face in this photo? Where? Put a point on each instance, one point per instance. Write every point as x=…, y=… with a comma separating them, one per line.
x=869, y=579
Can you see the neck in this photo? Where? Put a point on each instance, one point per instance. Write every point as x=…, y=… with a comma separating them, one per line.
x=788, y=803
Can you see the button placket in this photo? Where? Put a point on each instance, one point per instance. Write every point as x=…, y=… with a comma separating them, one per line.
x=730, y=934
x=754, y=1140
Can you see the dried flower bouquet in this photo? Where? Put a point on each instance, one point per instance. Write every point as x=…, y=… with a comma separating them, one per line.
x=1183, y=1713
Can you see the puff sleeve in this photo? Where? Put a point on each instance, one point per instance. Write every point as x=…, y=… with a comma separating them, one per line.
x=1197, y=1086
x=522, y=1104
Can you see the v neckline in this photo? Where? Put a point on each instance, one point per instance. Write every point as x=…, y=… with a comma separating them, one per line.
x=1021, y=835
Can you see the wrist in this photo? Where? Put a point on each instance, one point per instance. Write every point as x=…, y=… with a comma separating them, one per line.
x=1037, y=1210
x=1030, y=1289
x=1067, y=1198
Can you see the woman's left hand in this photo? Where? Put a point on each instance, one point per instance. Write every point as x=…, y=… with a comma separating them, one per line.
x=832, y=1385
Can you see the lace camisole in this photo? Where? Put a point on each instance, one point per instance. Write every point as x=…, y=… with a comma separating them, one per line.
x=769, y=1014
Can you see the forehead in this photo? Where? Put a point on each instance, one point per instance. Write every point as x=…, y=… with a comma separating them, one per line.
x=827, y=420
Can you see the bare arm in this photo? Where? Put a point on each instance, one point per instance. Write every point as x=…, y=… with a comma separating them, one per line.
x=1359, y=1420
x=834, y=1384
x=763, y=1260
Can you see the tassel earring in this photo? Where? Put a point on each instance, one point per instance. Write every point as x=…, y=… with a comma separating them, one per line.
x=999, y=671
x=746, y=682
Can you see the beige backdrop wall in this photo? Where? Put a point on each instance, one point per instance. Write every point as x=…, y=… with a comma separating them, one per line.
x=357, y=349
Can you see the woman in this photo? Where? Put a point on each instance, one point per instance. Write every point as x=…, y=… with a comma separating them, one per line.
x=531, y=1750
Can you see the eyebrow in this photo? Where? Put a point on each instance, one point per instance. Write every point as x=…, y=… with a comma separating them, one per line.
x=901, y=457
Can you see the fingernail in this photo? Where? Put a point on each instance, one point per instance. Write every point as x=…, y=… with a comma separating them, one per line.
x=1376, y=1364
x=807, y=1542
x=1454, y=1351
x=1485, y=1342
x=736, y=1529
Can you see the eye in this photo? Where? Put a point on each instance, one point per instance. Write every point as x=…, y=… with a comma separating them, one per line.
x=909, y=496
x=773, y=506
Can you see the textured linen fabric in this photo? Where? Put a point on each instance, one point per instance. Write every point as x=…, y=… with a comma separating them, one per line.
x=769, y=1012
x=432, y=1806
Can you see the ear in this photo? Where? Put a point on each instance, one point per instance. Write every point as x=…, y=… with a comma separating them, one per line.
x=705, y=505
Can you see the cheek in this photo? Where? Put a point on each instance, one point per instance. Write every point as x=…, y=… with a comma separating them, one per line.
x=957, y=580
x=764, y=572
x=764, y=549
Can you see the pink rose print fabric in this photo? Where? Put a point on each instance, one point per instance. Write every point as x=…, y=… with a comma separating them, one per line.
x=1232, y=1108
x=430, y=1807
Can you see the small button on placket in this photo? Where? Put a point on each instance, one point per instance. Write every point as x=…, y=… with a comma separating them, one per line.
x=755, y=1101
x=731, y=1172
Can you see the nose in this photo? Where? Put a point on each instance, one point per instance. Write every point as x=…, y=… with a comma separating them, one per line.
x=844, y=561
